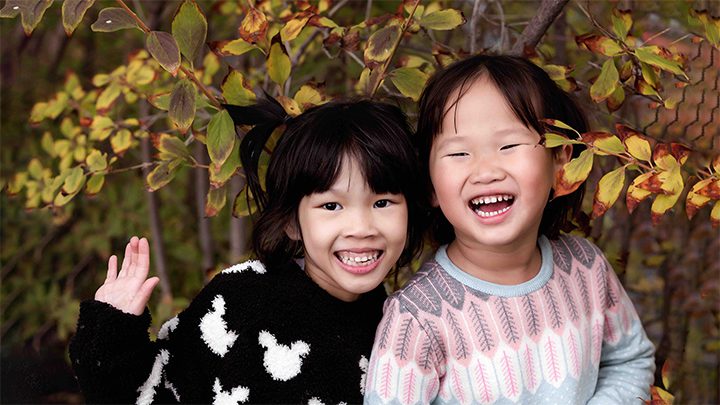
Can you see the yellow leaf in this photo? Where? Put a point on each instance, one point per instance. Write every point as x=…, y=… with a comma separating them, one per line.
x=291, y=106
x=608, y=190
x=553, y=140
x=278, y=64
x=236, y=90
x=308, y=96
x=652, y=55
x=638, y=147
x=292, y=28
x=636, y=194
x=108, y=96
x=573, y=173
x=253, y=26
x=380, y=45
x=662, y=203
x=443, y=20
x=606, y=83
x=715, y=215
x=410, y=81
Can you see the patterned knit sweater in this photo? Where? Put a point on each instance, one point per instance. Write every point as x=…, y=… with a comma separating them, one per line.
x=250, y=336
x=570, y=335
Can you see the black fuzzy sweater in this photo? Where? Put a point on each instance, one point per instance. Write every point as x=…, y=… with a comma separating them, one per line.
x=250, y=336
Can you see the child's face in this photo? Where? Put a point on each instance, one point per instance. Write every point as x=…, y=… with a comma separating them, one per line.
x=351, y=236
x=490, y=176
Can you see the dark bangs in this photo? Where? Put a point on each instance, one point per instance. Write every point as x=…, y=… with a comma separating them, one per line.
x=530, y=93
x=308, y=159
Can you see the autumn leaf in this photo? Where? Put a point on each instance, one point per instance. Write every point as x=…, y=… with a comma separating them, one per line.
x=621, y=21
x=164, y=49
x=215, y=201
x=652, y=55
x=293, y=27
x=182, y=105
x=410, y=81
x=603, y=142
x=380, y=45
x=31, y=12
x=113, y=19
x=189, y=28
x=695, y=200
x=221, y=137
x=254, y=26
x=606, y=83
x=443, y=20
x=636, y=194
x=236, y=90
x=607, y=191
x=573, y=173
x=73, y=12
x=599, y=44
x=278, y=64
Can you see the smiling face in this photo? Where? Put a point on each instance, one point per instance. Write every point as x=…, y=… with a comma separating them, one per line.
x=491, y=177
x=351, y=236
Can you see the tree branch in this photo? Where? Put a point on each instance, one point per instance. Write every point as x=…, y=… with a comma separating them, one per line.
x=538, y=25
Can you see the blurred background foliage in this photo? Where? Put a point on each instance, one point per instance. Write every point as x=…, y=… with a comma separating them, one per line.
x=93, y=121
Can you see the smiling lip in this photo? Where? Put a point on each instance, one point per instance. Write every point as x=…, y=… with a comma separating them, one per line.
x=359, y=262
x=491, y=207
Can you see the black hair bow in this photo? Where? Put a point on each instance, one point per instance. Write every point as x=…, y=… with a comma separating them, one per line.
x=264, y=116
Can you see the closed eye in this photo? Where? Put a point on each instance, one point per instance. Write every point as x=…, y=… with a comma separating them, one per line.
x=506, y=147
x=457, y=154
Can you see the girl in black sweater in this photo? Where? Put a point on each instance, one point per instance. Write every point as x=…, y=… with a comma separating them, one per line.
x=340, y=209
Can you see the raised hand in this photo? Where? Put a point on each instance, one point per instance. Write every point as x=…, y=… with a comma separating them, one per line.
x=129, y=290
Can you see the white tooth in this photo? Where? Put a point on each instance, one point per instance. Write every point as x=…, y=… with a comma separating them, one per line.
x=493, y=199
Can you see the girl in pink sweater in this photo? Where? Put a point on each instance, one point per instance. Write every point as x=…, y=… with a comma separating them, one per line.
x=509, y=310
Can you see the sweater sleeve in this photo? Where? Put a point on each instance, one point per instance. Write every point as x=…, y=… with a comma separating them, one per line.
x=404, y=365
x=111, y=353
x=627, y=363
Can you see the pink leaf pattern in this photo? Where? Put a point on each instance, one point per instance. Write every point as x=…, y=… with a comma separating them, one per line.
x=482, y=382
x=409, y=387
x=442, y=338
x=509, y=375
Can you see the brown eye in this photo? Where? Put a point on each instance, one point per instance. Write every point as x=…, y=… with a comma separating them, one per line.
x=331, y=206
x=381, y=203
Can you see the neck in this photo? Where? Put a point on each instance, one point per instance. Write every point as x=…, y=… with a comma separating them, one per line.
x=506, y=265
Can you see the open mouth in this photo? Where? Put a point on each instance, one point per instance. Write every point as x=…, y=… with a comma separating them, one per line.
x=362, y=259
x=491, y=205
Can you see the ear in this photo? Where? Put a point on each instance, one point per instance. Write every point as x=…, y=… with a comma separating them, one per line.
x=291, y=230
x=433, y=200
x=562, y=155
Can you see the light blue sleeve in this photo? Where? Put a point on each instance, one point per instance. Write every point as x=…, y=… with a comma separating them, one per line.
x=627, y=364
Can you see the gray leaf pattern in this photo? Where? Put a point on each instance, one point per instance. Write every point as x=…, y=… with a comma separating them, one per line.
x=461, y=345
x=450, y=289
x=562, y=256
x=432, y=331
x=531, y=314
x=555, y=316
x=506, y=318
x=481, y=327
x=569, y=300
x=584, y=293
x=385, y=329
x=403, y=344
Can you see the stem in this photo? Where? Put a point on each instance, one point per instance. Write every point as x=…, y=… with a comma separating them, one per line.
x=190, y=75
x=385, y=64
x=538, y=25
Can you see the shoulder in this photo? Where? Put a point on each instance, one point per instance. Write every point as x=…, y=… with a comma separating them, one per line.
x=427, y=290
x=572, y=252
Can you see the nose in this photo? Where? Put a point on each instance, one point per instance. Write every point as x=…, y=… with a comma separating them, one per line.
x=486, y=169
x=361, y=223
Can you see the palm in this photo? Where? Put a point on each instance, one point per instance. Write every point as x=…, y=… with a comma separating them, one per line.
x=130, y=289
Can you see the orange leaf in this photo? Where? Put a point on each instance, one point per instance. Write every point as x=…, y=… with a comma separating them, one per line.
x=636, y=194
x=599, y=44
x=573, y=173
x=608, y=190
x=695, y=200
x=253, y=26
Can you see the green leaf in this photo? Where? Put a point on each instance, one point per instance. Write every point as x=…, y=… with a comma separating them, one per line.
x=164, y=49
x=651, y=56
x=218, y=177
x=160, y=176
x=380, y=45
x=31, y=12
x=101, y=128
x=74, y=180
x=215, y=201
x=96, y=161
x=108, y=96
x=608, y=190
x=182, y=105
x=235, y=47
x=221, y=137
x=443, y=20
x=121, y=141
x=242, y=207
x=161, y=101
x=622, y=21
x=278, y=64
x=189, y=27
x=236, y=90
x=606, y=83
x=171, y=148
x=73, y=12
x=113, y=19
x=410, y=81
x=94, y=184
x=17, y=183
x=35, y=169
x=554, y=140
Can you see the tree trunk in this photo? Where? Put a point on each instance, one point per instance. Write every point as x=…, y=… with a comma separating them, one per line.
x=201, y=189
x=538, y=25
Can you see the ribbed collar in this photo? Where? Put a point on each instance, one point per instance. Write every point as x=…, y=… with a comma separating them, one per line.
x=535, y=283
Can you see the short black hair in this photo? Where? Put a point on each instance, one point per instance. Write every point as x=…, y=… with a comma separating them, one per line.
x=532, y=96
x=308, y=158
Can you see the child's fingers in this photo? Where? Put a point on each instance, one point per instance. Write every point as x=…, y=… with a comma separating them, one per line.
x=134, y=241
x=143, y=296
x=126, y=259
x=143, y=258
x=112, y=269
